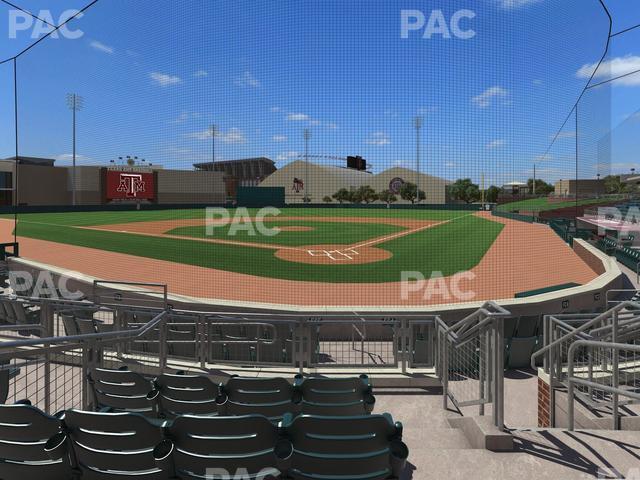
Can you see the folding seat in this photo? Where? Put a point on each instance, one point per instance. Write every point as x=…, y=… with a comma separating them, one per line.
x=69, y=324
x=25, y=316
x=528, y=326
x=24, y=433
x=520, y=351
x=181, y=340
x=86, y=326
x=226, y=447
x=121, y=391
x=271, y=397
x=180, y=394
x=364, y=447
x=335, y=396
x=108, y=446
x=509, y=325
x=9, y=312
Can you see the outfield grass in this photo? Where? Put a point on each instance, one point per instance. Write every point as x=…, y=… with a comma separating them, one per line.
x=448, y=248
x=322, y=233
x=542, y=204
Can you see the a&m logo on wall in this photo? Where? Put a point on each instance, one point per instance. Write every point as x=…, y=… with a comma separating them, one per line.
x=131, y=184
x=298, y=185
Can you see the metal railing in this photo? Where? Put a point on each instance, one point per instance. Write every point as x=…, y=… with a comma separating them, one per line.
x=471, y=361
x=608, y=372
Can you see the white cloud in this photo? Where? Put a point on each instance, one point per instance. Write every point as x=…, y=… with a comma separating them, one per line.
x=276, y=109
x=287, y=156
x=331, y=126
x=379, y=139
x=485, y=99
x=613, y=68
x=279, y=138
x=185, y=116
x=427, y=110
x=200, y=73
x=101, y=47
x=509, y=4
x=164, y=80
x=500, y=142
x=68, y=157
x=248, y=80
x=537, y=82
x=233, y=135
x=298, y=117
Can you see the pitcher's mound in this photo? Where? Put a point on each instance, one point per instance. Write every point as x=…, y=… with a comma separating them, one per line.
x=333, y=254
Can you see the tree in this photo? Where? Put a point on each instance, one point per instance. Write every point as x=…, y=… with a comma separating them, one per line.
x=327, y=199
x=542, y=187
x=491, y=194
x=613, y=184
x=409, y=192
x=388, y=197
x=464, y=190
x=342, y=195
x=365, y=194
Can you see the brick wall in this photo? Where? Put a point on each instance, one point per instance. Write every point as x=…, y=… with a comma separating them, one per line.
x=544, y=404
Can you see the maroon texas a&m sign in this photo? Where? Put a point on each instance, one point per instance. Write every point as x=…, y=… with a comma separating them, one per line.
x=130, y=185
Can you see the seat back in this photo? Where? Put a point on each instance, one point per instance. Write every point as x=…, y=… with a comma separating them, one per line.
x=179, y=394
x=520, y=351
x=121, y=391
x=224, y=444
x=271, y=397
x=364, y=447
x=10, y=312
x=114, y=445
x=336, y=396
x=24, y=431
x=69, y=323
x=86, y=326
x=528, y=326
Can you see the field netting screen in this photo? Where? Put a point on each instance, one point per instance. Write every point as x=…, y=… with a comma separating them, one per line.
x=316, y=153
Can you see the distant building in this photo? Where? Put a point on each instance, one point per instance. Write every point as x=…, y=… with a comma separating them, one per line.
x=40, y=162
x=245, y=172
x=515, y=188
x=583, y=188
x=302, y=179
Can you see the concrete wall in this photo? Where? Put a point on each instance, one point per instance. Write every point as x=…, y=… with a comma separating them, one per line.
x=181, y=186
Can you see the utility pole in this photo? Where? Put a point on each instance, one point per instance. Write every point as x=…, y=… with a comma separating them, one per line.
x=418, y=126
x=306, y=191
x=534, y=178
x=75, y=103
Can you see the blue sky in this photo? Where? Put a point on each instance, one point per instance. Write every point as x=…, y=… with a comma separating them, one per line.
x=156, y=74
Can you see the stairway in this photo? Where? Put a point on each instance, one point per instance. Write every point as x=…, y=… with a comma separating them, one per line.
x=440, y=451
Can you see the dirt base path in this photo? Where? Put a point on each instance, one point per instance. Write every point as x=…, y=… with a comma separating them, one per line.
x=524, y=257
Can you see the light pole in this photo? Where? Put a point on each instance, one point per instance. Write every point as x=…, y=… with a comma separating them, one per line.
x=307, y=191
x=75, y=103
x=418, y=125
x=213, y=132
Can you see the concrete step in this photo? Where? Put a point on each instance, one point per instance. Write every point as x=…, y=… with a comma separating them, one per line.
x=435, y=439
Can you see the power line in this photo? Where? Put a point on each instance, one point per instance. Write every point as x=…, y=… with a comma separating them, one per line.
x=626, y=30
x=614, y=79
x=28, y=13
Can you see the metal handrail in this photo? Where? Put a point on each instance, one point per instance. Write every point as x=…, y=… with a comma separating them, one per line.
x=581, y=329
x=616, y=391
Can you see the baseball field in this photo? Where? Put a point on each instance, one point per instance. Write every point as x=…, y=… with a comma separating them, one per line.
x=319, y=245
x=305, y=256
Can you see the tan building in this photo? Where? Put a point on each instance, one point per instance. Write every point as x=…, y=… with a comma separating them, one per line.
x=302, y=179
x=40, y=183
x=584, y=188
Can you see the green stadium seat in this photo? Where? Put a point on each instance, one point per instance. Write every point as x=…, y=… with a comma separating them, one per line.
x=362, y=447
x=270, y=397
x=121, y=391
x=182, y=394
x=114, y=445
x=528, y=326
x=24, y=433
x=248, y=446
x=335, y=396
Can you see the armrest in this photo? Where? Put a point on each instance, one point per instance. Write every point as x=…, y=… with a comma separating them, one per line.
x=23, y=401
x=56, y=446
x=162, y=454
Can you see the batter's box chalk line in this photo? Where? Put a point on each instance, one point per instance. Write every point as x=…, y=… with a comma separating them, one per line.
x=335, y=255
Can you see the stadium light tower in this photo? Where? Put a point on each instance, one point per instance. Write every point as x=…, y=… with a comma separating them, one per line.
x=307, y=192
x=213, y=132
x=75, y=103
x=418, y=126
